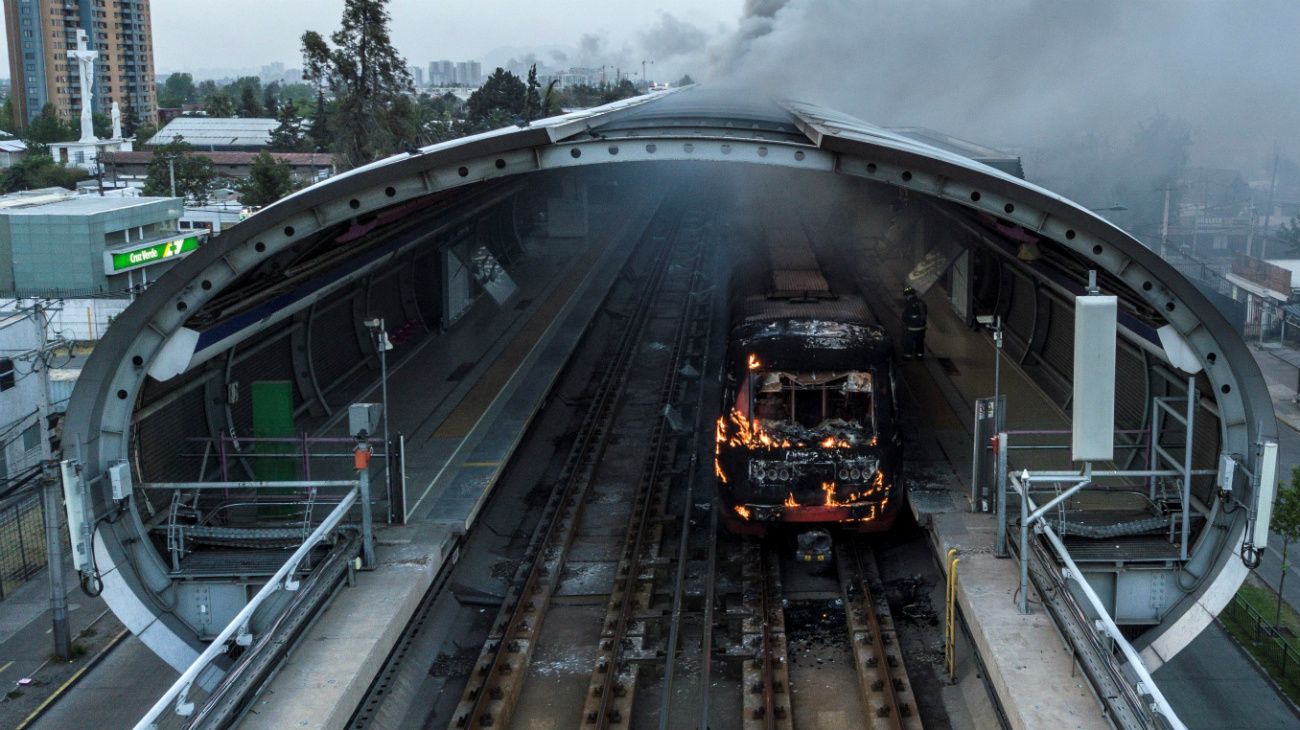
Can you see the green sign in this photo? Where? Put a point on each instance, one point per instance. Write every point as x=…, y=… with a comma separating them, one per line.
x=115, y=262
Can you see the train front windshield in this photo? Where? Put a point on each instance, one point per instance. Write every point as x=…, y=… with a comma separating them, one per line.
x=808, y=408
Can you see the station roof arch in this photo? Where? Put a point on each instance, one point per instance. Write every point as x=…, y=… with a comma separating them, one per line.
x=692, y=124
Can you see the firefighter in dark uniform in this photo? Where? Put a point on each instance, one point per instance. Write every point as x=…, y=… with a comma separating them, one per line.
x=915, y=314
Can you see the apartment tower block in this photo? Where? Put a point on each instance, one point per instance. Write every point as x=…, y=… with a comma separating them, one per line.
x=40, y=34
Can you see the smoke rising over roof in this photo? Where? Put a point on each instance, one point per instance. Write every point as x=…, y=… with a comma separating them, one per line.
x=1031, y=72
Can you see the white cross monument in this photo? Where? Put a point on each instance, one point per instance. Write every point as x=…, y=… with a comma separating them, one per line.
x=85, y=152
x=85, y=59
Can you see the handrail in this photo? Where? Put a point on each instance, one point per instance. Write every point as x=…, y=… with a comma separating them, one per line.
x=1104, y=622
x=950, y=616
x=283, y=577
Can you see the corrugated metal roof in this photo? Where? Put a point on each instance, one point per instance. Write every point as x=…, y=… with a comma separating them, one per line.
x=318, y=159
x=12, y=145
x=217, y=131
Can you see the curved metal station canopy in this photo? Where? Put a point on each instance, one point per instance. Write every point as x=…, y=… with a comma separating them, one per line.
x=231, y=286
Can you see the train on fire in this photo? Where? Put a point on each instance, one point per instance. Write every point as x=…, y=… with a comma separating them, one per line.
x=808, y=434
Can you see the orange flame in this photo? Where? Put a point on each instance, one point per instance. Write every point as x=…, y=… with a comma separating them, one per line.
x=717, y=469
x=754, y=364
x=789, y=500
x=749, y=434
x=743, y=511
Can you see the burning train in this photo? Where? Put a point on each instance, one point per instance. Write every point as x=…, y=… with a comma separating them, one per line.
x=808, y=432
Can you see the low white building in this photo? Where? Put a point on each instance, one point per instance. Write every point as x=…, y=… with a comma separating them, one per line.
x=11, y=151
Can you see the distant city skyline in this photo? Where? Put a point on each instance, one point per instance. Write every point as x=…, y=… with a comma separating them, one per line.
x=269, y=32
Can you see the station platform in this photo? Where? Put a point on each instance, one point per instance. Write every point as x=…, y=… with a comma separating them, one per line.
x=1028, y=663
x=464, y=400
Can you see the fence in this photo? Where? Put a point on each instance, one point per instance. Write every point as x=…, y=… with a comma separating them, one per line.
x=1276, y=647
x=22, y=539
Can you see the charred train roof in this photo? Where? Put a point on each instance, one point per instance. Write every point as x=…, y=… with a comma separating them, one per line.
x=822, y=334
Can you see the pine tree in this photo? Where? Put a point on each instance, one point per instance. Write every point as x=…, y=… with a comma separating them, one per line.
x=271, y=100
x=496, y=103
x=249, y=106
x=287, y=137
x=366, y=76
x=318, y=131
x=533, y=98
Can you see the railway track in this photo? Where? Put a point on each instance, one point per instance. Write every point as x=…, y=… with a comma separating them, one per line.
x=882, y=673
x=850, y=623
x=577, y=518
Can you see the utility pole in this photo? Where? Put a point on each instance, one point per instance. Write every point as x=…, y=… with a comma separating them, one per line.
x=171, y=169
x=53, y=509
x=1268, y=212
x=51, y=495
x=379, y=335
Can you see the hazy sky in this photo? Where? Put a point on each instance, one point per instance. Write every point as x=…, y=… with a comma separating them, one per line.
x=249, y=33
x=1004, y=72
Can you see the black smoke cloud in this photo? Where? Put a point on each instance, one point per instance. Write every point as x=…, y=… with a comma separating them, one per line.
x=1033, y=72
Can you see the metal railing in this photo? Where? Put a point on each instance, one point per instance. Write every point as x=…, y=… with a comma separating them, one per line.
x=1140, y=691
x=285, y=578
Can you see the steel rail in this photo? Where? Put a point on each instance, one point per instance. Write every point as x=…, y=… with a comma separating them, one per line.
x=766, y=678
x=493, y=687
x=688, y=505
x=882, y=675
x=613, y=682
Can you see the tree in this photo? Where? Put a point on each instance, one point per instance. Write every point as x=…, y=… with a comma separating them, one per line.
x=1286, y=522
x=497, y=102
x=368, y=80
x=40, y=171
x=220, y=105
x=194, y=173
x=1288, y=234
x=533, y=97
x=288, y=136
x=205, y=90
x=144, y=133
x=102, y=125
x=318, y=131
x=551, y=100
x=130, y=119
x=271, y=100
x=9, y=115
x=269, y=179
x=685, y=80
x=624, y=89
x=303, y=96
x=46, y=128
x=249, y=106
x=178, y=90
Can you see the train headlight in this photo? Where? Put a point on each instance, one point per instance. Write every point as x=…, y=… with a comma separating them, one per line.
x=844, y=475
x=855, y=473
x=785, y=474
